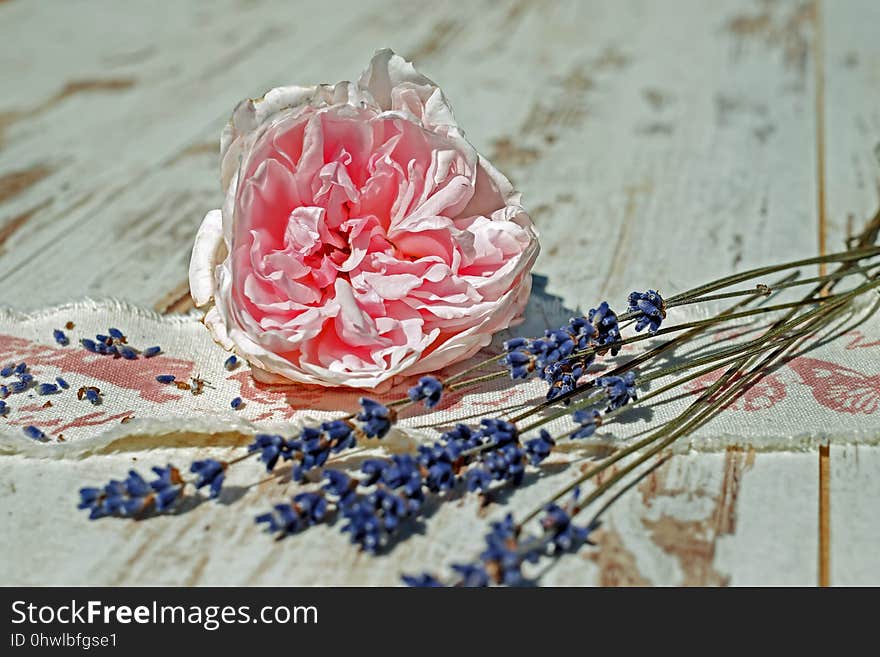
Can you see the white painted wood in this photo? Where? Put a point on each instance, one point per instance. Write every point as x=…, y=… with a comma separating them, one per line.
x=657, y=144
x=665, y=147
x=852, y=170
x=855, y=491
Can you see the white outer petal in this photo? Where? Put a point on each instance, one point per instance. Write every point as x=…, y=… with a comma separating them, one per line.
x=251, y=113
x=204, y=258
x=217, y=326
x=388, y=70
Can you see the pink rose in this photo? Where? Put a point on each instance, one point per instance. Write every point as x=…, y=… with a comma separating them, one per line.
x=361, y=235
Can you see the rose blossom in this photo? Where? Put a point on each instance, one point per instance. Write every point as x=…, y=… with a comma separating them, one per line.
x=361, y=235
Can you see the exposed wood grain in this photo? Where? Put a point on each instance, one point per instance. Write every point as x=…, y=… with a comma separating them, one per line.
x=16, y=222
x=824, y=516
x=90, y=86
x=16, y=182
x=712, y=519
x=824, y=505
x=177, y=301
x=617, y=565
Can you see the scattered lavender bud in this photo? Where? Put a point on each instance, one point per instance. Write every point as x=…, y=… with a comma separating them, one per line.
x=271, y=448
x=34, y=433
x=472, y=576
x=21, y=368
x=425, y=580
x=538, y=449
x=149, y=352
x=165, y=378
x=128, y=353
x=7, y=371
x=107, y=349
x=93, y=396
x=566, y=536
x=47, y=389
x=60, y=338
x=89, y=345
x=604, y=320
x=61, y=383
x=168, y=486
x=125, y=498
x=231, y=363
x=307, y=509
x=116, y=334
x=4, y=392
x=133, y=494
x=237, y=403
x=341, y=486
x=4, y=409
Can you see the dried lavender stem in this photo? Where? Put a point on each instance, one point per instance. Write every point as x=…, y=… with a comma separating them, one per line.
x=842, y=256
x=818, y=316
x=767, y=290
x=695, y=422
x=680, y=299
x=715, y=361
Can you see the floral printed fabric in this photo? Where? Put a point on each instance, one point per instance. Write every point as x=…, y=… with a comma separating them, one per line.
x=830, y=391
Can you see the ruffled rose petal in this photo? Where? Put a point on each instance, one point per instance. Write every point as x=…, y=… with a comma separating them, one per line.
x=361, y=236
x=392, y=81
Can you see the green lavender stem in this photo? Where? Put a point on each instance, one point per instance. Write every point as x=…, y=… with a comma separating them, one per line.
x=813, y=320
x=716, y=360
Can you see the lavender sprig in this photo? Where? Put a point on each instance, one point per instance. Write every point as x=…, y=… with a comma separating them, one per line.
x=389, y=492
x=563, y=355
x=133, y=495
x=507, y=549
x=309, y=451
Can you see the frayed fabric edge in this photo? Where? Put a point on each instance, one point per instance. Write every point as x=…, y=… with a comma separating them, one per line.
x=197, y=432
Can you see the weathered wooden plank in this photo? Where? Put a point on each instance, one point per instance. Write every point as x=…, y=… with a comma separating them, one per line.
x=855, y=493
x=644, y=164
x=851, y=126
x=687, y=523
x=718, y=160
x=707, y=520
x=654, y=164
x=213, y=542
x=128, y=166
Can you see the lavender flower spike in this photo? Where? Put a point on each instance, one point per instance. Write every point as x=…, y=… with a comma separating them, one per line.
x=376, y=419
x=650, y=308
x=620, y=389
x=210, y=473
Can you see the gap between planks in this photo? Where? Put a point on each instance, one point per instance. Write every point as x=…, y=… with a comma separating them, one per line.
x=177, y=300
x=824, y=556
